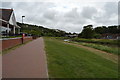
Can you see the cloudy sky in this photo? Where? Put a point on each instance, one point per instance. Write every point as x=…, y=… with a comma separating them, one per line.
x=68, y=16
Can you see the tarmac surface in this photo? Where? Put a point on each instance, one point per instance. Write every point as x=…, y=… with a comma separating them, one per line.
x=27, y=61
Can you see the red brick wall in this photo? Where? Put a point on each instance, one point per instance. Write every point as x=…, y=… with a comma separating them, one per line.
x=27, y=39
x=13, y=42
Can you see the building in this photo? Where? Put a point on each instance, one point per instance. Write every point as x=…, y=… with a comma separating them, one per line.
x=8, y=22
x=72, y=35
x=110, y=36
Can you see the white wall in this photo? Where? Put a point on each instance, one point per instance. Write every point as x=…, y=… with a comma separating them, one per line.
x=12, y=19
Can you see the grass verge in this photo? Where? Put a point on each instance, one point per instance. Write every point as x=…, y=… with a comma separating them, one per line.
x=68, y=61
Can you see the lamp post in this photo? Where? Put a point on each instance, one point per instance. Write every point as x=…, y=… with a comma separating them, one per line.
x=22, y=34
x=22, y=19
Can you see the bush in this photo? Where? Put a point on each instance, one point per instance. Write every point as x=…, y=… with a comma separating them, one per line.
x=97, y=36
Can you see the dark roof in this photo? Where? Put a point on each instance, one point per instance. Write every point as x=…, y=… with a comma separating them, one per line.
x=5, y=13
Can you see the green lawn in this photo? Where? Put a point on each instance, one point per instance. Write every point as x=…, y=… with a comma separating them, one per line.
x=68, y=61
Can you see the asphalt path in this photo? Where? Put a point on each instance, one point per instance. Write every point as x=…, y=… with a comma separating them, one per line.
x=27, y=61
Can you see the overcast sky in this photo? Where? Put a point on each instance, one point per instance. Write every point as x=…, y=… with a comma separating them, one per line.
x=67, y=16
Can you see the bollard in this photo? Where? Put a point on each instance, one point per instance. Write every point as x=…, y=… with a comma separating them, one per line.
x=23, y=35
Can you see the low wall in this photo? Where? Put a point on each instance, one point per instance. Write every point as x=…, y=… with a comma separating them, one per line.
x=8, y=43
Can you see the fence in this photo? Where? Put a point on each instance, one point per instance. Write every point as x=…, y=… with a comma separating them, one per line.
x=10, y=42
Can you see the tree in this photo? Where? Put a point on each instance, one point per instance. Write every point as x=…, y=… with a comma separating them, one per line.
x=87, y=32
x=101, y=30
x=98, y=36
x=41, y=31
x=118, y=29
x=112, y=29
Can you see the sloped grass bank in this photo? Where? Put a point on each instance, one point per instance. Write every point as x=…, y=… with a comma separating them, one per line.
x=114, y=50
x=68, y=61
x=111, y=47
x=98, y=41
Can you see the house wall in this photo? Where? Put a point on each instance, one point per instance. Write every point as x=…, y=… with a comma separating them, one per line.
x=12, y=19
x=13, y=42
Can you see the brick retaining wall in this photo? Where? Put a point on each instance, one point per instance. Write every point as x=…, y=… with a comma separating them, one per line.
x=13, y=42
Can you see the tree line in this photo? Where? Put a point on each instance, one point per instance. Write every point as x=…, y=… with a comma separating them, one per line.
x=35, y=30
x=90, y=32
x=87, y=32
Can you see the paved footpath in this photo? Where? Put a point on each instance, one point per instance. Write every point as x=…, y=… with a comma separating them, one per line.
x=27, y=61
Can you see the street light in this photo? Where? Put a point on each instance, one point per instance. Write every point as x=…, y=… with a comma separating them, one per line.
x=22, y=19
x=22, y=34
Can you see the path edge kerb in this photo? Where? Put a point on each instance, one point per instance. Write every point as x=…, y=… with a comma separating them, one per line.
x=45, y=58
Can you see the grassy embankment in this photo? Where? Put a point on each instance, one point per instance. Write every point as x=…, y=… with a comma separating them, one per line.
x=110, y=46
x=69, y=61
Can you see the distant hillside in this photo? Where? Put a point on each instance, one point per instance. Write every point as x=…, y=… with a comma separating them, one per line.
x=40, y=30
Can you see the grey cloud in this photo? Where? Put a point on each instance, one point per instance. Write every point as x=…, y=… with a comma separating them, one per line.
x=34, y=12
x=72, y=14
x=43, y=13
x=74, y=17
x=110, y=10
x=50, y=14
x=71, y=27
x=8, y=4
x=88, y=12
x=119, y=12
